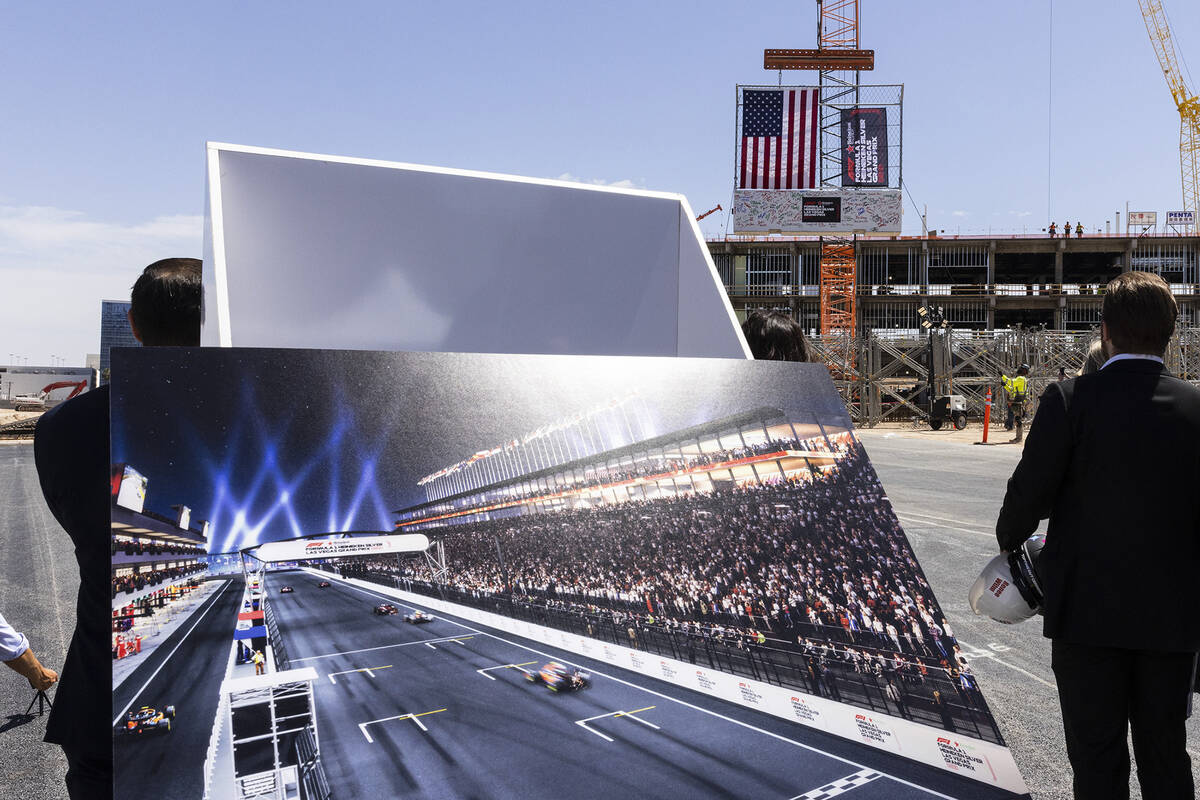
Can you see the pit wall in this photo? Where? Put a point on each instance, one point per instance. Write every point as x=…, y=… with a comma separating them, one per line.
x=985, y=762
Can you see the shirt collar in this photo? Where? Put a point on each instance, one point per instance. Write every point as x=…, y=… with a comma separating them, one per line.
x=1124, y=356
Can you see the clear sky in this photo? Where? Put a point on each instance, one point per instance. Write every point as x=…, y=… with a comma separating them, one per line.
x=105, y=108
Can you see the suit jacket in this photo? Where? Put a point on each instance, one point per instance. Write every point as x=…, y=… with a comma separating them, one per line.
x=1113, y=459
x=71, y=451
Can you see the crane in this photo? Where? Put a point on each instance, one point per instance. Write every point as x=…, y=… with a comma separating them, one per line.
x=37, y=401
x=1187, y=103
x=710, y=211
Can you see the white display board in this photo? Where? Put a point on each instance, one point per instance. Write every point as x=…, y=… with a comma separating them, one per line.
x=306, y=250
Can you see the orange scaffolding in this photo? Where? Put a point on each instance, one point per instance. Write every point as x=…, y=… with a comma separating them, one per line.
x=838, y=285
x=838, y=30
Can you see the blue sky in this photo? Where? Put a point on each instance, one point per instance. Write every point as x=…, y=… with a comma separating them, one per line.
x=106, y=109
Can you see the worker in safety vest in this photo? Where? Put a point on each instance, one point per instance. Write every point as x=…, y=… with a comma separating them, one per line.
x=1016, y=391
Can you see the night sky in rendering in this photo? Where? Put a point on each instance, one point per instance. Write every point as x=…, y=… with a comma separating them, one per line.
x=274, y=444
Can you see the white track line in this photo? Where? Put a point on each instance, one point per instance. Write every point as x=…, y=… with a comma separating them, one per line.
x=484, y=671
x=944, y=519
x=684, y=703
x=901, y=516
x=381, y=647
x=979, y=652
x=367, y=670
x=841, y=785
x=362, y=726
x=178, y=644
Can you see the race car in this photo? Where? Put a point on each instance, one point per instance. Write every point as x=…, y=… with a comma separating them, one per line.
x=286, y=590
x=386, y=608
x=323, y=585
x=418, y=618
x=149, y=720
x=560, y=678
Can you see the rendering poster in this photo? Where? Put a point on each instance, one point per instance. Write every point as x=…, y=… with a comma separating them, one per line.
x=641, y=577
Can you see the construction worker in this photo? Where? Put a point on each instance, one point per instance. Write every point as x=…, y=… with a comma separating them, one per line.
x=1079, y=230
x=1016, y=391
x=1053, y=230
x=1067, y=230
x=260, y=663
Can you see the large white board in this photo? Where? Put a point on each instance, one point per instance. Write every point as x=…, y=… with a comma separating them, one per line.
x=306, y=250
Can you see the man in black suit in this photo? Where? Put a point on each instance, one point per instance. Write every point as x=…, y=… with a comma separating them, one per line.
x=71, y=451
x=1113, y=459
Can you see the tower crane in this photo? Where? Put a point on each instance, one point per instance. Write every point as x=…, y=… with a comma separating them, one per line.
x=1187, y=103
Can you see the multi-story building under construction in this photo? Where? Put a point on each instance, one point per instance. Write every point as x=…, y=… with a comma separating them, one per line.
x=980, y=282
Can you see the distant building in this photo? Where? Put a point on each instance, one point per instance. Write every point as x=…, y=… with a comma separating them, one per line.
x=92, y=361
x=115, y=331
x=981, y=282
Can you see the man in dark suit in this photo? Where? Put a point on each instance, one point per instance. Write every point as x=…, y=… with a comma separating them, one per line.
x=1113, y=460
x=71, y=451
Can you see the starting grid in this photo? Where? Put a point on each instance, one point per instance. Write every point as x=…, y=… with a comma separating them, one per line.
x=419, y=719
x=415, y=716
x=861, y=777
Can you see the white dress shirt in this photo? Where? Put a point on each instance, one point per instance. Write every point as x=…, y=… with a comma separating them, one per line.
x=12, y=643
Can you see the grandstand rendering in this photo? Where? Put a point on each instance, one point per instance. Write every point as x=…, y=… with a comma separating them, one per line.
x=753, y=544
x=705, y=539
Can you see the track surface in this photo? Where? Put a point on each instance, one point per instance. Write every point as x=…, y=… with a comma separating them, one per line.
x=493, y=734
x=155, y=766
x=947, y=496
x=38, y=584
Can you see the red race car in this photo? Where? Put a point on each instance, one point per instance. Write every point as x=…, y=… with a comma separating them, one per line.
x=386, y=608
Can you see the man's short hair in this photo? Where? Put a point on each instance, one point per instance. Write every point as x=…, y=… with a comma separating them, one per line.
x=1139, y=312
x=165, y=303
x=775, y=336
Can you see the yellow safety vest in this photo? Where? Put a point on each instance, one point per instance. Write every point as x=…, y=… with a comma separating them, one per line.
x=1016, y=388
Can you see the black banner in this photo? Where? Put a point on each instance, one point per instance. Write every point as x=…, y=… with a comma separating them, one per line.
x=820, y=209
x=864, y=147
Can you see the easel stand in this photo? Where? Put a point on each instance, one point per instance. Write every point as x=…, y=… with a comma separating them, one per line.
x=42, y=700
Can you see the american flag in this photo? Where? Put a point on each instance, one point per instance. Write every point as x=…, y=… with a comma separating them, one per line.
x=779, y=139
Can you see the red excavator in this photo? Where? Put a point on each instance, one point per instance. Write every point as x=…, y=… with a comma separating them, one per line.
x=37, y=402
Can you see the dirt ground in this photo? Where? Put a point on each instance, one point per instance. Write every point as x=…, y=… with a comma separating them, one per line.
x=7, y=415
x=997, y=436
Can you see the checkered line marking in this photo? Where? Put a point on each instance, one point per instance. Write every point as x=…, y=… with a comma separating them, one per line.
x=840, y=786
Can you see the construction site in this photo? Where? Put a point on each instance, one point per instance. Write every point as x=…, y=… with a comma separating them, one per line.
x=901, y=320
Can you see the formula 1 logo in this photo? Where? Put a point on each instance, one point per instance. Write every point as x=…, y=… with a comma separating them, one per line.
x=998, y=586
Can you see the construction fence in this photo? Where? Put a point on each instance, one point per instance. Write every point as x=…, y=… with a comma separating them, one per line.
x=886, y=376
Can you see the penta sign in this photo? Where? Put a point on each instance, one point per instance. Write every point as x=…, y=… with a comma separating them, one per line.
x=302, y=549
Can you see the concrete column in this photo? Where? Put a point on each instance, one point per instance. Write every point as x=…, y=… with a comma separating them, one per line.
x=1058, y=312
x=991, y=313
x=1058, y=263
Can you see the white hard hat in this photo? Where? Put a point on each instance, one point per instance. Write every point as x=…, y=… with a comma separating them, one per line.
x=1008, y=590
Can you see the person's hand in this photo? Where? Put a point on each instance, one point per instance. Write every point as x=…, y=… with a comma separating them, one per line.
x=43, y=679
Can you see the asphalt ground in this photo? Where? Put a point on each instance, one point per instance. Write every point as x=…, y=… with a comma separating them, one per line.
x=947, y=495
x=483, y=730
x=185, y=671
x=38, y=584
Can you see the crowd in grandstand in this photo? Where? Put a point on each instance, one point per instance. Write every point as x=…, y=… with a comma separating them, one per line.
x=819, y=563
x=136, y=582
x=660, y=465
x=141, y=547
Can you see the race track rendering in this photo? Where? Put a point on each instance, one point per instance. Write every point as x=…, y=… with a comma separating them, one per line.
x=186, y=672
x=444, y=710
